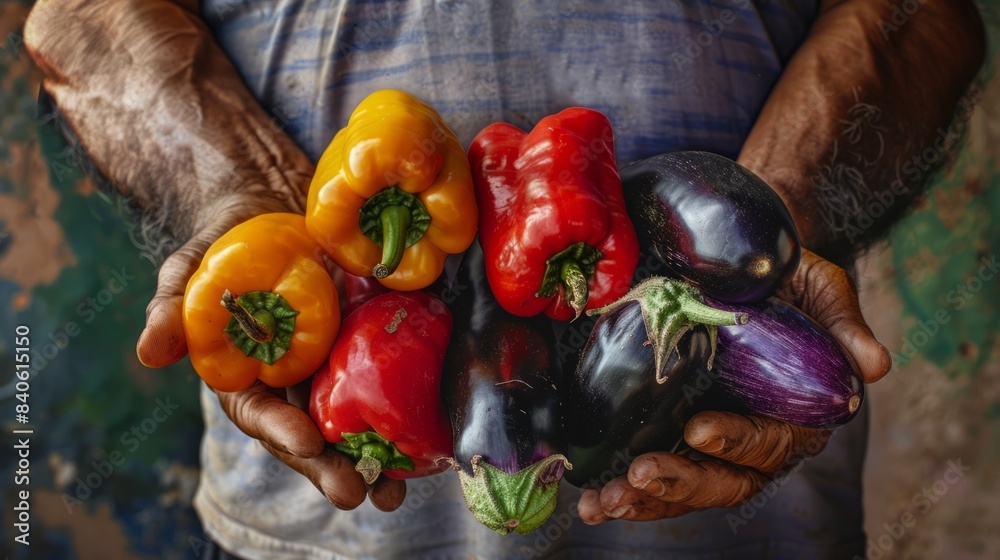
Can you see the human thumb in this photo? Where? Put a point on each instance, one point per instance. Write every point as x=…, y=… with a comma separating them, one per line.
x=162, y=342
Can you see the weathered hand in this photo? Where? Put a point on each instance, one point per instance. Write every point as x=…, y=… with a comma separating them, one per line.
x=275, y=417
x=193, y=147
x=162, y=342
x=738, y=455
x=278, y=419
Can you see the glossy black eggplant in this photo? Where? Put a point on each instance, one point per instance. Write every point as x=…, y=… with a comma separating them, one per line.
x=714, y=223
x=500, y=386
x=614, y=407
x=784, y=365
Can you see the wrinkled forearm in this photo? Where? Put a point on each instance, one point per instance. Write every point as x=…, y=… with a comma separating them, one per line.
x=160, y=109
x=859, y=121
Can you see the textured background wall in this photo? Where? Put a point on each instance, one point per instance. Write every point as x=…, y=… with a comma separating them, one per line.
x=932, y=302
x=97, y=490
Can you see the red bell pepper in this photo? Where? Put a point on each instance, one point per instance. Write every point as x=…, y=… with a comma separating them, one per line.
x=552, y=218
x=379, y=398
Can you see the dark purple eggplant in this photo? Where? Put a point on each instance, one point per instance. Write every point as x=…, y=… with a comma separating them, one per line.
x=614, y=408
x=714, y=223
x=500, y=386
x=784, y=365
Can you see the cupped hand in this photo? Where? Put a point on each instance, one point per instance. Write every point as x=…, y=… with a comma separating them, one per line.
x=162, y=342
x=738, y=455
x=278, y=418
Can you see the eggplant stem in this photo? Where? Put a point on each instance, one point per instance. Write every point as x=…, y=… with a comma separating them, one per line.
x=701, y=313
x=666, y=347
x=519, y=501
x=671, y=308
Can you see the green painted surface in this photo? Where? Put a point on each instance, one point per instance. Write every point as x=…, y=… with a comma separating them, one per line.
x=88, y=391
x=945, y=254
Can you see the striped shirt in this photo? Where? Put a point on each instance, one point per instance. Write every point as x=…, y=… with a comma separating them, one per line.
x=671, y=75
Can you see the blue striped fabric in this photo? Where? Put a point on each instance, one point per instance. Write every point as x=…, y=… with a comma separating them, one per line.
x=667, y=73
x=679, y=74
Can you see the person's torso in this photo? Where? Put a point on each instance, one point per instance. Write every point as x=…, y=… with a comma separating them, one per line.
x=670, y=75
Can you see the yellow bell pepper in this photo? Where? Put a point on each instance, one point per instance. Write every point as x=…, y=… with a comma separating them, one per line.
x=261, y=306
x=393, y=194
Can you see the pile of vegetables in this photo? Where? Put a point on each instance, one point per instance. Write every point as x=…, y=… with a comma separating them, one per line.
x=466, y=370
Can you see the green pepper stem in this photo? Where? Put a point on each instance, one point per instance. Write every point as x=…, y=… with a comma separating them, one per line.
x=572, y=268
x=259, y=326
x=395, y=222
x=372, y=454
x=575, y=282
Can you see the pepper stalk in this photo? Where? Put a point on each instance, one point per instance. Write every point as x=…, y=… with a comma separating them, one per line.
x=262, y=324
x=394, y=220
x=373, y=454
x=573, y=269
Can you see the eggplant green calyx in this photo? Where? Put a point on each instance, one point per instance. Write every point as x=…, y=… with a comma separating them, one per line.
x=372, y=454
x=518, y=502
x=572, y=267
x=671, y=308
x=394, y=220
x=262, y=324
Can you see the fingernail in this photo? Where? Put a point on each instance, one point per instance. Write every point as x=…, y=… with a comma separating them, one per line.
x=654, y=488
x=714, y=444
x=619, y=511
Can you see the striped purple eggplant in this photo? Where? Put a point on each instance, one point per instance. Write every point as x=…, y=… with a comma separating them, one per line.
x=784, y=365
x=765, y=358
